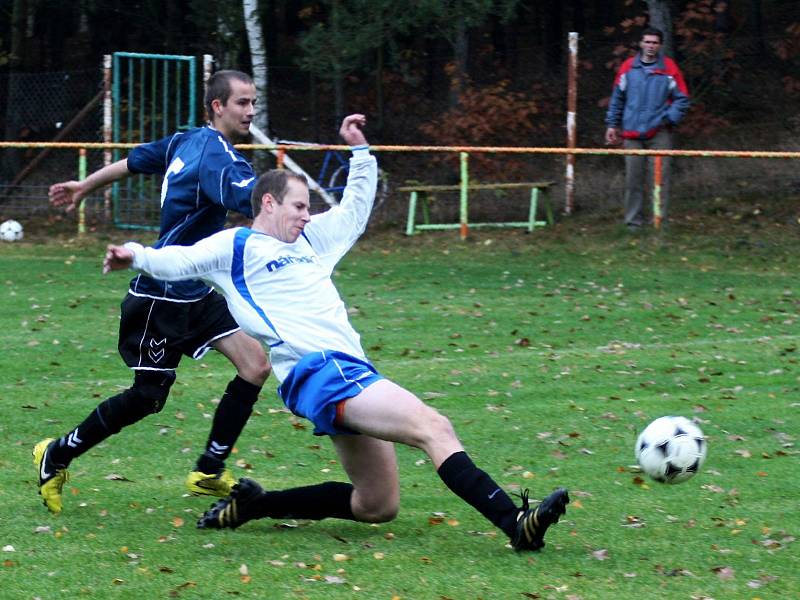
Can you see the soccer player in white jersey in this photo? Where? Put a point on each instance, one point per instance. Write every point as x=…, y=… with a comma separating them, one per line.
x=276, y=278
x=203, y=178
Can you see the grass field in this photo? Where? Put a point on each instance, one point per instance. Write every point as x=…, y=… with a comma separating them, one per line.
x=548, y=352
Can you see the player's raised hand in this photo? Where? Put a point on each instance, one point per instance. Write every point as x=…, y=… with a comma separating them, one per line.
x=66, y=194
x=351, y=130
x=117, y=258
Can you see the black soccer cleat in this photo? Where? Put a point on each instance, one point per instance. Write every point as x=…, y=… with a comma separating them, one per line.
x=234, y=510
x=532, y=523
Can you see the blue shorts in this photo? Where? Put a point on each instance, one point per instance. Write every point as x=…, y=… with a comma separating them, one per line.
x=320, y=381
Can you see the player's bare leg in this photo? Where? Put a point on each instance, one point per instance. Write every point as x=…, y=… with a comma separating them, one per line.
x=388, y=411
x=371, y=466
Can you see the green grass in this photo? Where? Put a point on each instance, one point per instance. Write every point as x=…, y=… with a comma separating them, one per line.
x=549, y=353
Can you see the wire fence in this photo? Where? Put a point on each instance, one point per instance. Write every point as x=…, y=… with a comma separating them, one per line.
x=43, y=107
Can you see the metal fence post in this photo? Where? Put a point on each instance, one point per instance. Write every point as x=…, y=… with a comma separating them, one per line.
x=464, y=195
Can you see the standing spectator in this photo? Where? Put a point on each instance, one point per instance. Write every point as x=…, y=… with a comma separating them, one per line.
x=203, y=178
x=649, y=98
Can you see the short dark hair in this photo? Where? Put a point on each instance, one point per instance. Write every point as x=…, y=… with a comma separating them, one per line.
x=274, y=182
x=653, y=31
x=218, y=87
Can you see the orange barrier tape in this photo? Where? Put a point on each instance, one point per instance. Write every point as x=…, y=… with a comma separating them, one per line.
x=475, y=149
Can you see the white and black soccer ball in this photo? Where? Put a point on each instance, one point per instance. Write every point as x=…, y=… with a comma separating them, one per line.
x=671, y=449
x=11, y=231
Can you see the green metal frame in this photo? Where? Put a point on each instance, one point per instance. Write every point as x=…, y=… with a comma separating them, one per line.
x=152, y=106
x=419, y=194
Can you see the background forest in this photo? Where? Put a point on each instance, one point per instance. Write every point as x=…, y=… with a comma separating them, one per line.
x=468, y=72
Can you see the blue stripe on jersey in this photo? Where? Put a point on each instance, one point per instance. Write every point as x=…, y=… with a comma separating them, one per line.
x=237, y=275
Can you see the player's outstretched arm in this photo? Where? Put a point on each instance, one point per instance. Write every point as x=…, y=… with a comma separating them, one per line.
x=117, y=258
x=68, y=193
x=352, y=130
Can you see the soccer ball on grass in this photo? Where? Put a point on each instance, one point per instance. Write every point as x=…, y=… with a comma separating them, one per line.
x=671, y=449
x=10, y=231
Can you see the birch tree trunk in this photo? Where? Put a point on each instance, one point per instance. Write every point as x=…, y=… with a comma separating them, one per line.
x=661, y=18
x=258, y=58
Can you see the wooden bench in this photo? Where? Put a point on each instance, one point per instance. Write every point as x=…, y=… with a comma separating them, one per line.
x=421, y=192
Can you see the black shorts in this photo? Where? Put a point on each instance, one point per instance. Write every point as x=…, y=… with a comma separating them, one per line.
x=155, y=334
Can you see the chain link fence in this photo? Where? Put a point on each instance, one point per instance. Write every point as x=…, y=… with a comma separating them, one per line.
x=43, y=107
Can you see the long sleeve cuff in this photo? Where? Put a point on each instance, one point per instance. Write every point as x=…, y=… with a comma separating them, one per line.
x=360, y=151
x=137, y=253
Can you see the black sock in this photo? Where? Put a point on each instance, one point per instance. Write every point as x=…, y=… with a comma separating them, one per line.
x=477, y=489
x=88, y=434
x=329, y=499
x=230, y=418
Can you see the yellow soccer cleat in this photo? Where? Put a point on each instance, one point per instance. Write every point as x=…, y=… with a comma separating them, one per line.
x=202, y=484
x=51, y=477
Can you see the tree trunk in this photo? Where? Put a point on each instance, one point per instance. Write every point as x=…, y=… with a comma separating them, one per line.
x=755, y=20
x=379, y=98
x=11, y=158
x=661, y=18
x=258, y=59
x=226, y=47
x=460, y=52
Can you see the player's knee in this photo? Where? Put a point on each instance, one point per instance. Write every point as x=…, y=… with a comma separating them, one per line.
x=146, y=396
x=435, y=428
x=255, y=369
x=152, y=388
x=378, y=512
x=260, y=372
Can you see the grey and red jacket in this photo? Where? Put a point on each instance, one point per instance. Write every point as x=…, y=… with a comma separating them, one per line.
x=643, y=102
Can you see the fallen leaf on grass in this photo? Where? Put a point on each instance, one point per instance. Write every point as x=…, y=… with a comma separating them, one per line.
x=724, y=572
x=177, y=522
x=601, y=554
x=633, y=521
x=184, y=586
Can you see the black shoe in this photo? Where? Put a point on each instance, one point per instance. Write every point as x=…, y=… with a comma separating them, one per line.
x=235, y=510
x=532, y=523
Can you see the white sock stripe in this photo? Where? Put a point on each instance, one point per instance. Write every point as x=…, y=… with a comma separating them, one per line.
x=73, y=440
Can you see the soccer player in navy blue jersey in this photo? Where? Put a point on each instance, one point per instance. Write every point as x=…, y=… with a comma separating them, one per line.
x=204, y=177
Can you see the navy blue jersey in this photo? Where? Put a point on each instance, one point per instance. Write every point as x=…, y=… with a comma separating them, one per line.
x=204, y=178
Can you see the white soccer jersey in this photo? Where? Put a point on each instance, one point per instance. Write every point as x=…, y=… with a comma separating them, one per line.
x=281, y=294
